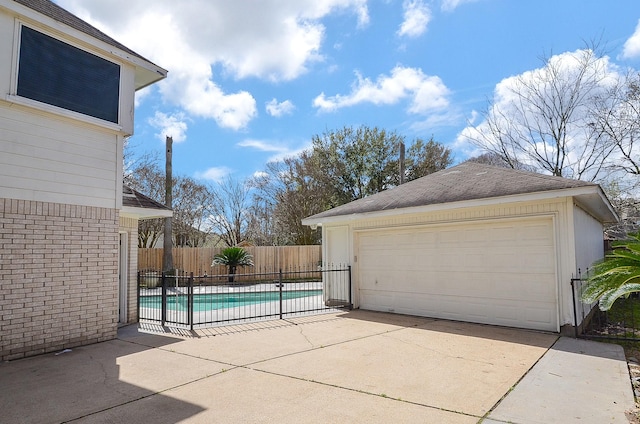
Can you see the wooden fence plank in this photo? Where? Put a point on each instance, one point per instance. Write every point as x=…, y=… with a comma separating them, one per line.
x=265, y=258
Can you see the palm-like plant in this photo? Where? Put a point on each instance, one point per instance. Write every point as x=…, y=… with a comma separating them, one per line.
x=232, y=258
x=615, y=276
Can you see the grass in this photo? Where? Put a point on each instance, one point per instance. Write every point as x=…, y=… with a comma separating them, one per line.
x=626, y=311
x=622, y=321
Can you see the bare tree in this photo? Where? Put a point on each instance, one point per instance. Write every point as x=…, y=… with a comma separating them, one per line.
x=192, y=207
x=616, y=120
x=497, y=160
x=541, y=118
x=148, y=178
x=229, y=213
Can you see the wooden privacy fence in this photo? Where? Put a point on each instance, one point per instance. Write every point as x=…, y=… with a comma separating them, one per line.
x=198, y=259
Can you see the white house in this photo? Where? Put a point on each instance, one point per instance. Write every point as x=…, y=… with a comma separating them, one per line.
x=473, y=243
x=66, y=105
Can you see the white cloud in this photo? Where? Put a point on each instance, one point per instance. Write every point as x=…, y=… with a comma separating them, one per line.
x=260, y=174
x=426, y=93
x=275, y=40
x=280, y=150
x=142, y=94
x=451, y=5
x=171, y=125
x=262, y=145
x=216, y=174
x=416, y=18
x=278, y=109
x=631, y=47
x=448, y=118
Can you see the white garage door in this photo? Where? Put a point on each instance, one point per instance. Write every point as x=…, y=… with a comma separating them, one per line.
x=495, y=272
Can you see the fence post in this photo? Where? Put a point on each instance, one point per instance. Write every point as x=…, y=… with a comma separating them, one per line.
x=280, y=287
x=575, y=312
x=138, y=299
x=163, y=319
x=190, y=302
x=575, y=308
x=350, y=300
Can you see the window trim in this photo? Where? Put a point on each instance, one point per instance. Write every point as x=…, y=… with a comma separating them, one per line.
x=13, y=97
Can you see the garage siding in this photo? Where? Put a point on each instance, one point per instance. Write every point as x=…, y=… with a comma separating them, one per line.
x=589, y=239
x=496, y=272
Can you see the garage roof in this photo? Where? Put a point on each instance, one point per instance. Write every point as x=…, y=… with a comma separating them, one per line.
x=470, y=182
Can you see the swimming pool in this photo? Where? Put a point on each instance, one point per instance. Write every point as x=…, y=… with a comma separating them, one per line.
x=213, y=301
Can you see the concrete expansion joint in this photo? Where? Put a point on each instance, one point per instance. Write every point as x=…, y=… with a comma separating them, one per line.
x=365, y=392
x=182, y=354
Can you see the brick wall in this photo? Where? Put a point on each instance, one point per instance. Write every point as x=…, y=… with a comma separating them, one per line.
x=58, y=275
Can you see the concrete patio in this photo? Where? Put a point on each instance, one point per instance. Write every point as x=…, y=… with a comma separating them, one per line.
x=343, y=367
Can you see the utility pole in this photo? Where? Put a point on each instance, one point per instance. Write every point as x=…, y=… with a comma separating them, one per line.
x=401, y=163
x=167, y=251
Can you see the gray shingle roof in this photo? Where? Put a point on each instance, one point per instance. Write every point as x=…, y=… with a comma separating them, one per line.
x=467, y=181
x=135, y=199
x=55, y=12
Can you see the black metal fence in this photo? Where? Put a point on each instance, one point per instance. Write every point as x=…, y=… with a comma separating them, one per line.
x=186, y=300
x=621, y=322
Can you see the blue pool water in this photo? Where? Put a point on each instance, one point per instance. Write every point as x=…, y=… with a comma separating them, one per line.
x=213, y=301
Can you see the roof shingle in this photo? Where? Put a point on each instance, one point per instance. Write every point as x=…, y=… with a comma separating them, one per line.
x=135, y=199
x=467, y=181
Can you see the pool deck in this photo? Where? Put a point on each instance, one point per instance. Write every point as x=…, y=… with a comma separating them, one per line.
x=353, y=366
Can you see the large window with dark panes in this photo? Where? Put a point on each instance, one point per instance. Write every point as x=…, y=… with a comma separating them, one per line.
x=56, y=73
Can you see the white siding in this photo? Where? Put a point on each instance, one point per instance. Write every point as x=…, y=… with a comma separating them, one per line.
x=6, y=52
x=51, y=159
x=588, y=233
x=50, y=154
x=589, y=247
x=336, y=246
x=47, y=154
x=127, y=98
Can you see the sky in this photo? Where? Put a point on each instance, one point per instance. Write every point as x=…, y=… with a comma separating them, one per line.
x=252, y=81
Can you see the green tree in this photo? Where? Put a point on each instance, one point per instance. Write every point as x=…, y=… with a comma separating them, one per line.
x=426, y=158
x=342, y=165
x=616, y=276
x=232, y=258
x=355, y=162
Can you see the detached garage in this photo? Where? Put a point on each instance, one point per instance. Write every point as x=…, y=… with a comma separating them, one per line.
x=472, y=243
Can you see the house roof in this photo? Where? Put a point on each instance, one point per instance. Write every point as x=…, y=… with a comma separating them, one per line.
x=467, y=183
x=59, y=14
x=137, y=204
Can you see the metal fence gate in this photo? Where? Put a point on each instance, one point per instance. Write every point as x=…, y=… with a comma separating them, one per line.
x=188, y=300
x=620, y=323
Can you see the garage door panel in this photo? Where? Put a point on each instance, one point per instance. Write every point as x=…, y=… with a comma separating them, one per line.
x=497, y=272
x=456, y=282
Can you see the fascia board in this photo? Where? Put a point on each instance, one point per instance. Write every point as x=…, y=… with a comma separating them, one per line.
x=491, y=201
x=145, y=213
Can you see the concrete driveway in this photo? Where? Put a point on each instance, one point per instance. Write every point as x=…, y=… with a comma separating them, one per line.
x=348, y=367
